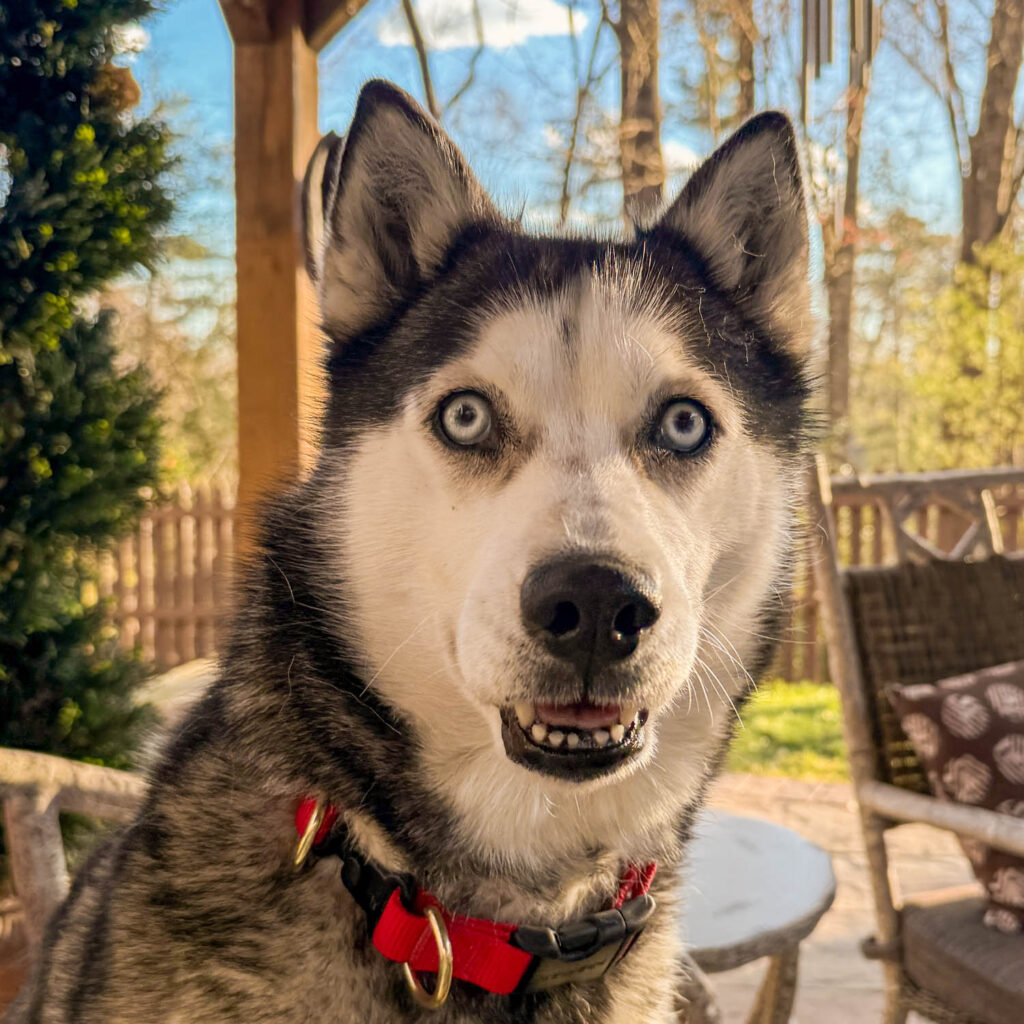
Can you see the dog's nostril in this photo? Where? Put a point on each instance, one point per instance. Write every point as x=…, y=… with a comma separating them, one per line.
x=565, y=619
x=633, y=618
x=625, y=623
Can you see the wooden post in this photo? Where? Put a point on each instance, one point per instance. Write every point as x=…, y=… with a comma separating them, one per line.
x=845, y=671
x=278, y=346
x=36, y=852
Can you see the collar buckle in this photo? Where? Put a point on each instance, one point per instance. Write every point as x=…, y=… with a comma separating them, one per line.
x=583, y=949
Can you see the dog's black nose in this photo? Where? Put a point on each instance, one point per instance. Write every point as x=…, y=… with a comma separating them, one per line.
x=585, y=612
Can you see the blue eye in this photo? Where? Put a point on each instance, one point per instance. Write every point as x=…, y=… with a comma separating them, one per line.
x=465, y=418
x=684, y=427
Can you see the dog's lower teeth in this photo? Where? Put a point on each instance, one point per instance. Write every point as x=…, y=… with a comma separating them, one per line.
x=627, y=714
x=543, y=734
x=524, y=715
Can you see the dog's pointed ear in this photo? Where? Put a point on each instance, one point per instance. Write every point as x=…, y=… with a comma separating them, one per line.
x=743, y=212
x=382, y=208
x=318, y=189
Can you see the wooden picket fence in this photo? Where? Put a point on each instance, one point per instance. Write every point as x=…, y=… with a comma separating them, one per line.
x=169, y=584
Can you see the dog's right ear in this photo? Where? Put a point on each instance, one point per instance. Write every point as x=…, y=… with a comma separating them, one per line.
x=743, y=212
x=382, y=208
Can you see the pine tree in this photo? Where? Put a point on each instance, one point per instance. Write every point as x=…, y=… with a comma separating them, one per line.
x=82, y=202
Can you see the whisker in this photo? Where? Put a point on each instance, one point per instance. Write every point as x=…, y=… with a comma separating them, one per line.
x=387, y=661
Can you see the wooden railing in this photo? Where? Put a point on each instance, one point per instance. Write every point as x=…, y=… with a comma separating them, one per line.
x=35, y=789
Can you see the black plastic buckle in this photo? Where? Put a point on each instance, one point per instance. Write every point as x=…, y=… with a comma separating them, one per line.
x=372, y=888
x=581, y=950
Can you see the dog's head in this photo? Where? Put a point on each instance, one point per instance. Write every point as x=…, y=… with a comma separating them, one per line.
x=557, y=471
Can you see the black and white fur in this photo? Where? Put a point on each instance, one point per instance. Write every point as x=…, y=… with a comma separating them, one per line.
x=379, y=636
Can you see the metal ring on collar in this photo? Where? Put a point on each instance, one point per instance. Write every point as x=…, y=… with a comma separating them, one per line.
x=316, y=819
x=436, y=999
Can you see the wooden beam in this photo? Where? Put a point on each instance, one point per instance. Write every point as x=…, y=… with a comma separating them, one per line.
x=325, y=18
x=249, y=21
x=279, y=393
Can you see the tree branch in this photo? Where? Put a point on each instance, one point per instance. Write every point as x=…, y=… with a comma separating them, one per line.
x=607, y=19
x=421, y=54
x=583, y=90
x=1018, y=168
x=478, y=28
x=948, y=89
x=954, y=95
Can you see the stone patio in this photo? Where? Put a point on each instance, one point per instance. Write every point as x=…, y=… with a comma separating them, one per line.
x=837, y=985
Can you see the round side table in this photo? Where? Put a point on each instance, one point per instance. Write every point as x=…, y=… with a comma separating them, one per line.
x=752, y=889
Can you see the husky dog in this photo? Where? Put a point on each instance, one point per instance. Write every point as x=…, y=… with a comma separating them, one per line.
x=500, y=629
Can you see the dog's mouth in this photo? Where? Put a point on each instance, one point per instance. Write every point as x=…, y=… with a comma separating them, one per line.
x=573, y=741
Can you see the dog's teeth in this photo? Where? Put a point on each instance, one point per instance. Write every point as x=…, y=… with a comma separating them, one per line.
x=627, y=714
x=601, y=737
x=524, y=715
x=572, y=741
x=617, y=733
x=555, y=738
x=538, y=732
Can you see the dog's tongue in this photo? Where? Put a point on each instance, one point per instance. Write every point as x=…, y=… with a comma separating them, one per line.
x=582, y=716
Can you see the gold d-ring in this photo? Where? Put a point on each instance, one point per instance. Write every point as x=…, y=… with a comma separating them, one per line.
x=436, y=999
x=316, y=819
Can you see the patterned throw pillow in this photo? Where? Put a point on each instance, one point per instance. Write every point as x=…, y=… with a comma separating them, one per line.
x=969, y=732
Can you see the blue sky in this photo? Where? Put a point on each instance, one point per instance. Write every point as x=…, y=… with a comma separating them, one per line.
x=524, y=88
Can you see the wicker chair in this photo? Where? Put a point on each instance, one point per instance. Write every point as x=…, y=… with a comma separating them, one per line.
x=930, y=615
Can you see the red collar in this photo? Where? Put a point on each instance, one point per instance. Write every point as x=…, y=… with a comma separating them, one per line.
x=499, y=957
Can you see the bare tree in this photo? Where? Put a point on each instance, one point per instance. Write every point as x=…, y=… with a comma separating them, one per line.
x=585, y=82
x=643, y=168
x=423, y=57
x=991, y=160
x=840, y=236
x=746, y=38
x=714, y=44
x=994, y=178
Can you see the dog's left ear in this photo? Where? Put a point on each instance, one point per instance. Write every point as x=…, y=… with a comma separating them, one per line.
x=382, y=208
x=743, y=212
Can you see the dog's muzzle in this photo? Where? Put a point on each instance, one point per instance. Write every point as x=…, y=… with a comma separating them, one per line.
x=591, y=615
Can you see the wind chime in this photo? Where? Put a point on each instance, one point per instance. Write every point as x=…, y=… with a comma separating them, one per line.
x=818, y=32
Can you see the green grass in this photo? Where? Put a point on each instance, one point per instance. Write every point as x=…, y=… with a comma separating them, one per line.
x=791, y=729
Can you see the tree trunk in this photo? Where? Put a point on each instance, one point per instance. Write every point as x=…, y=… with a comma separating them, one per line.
x=840, y=269
x=745, y=36
x=989, y=189
x=643, y=170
